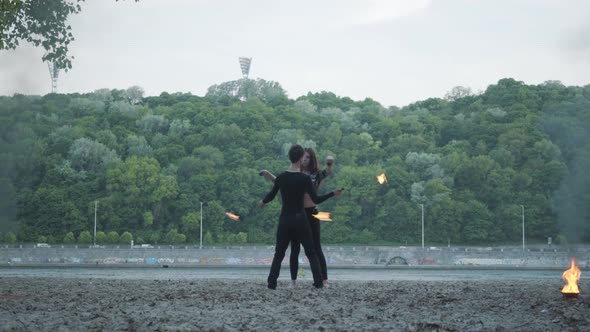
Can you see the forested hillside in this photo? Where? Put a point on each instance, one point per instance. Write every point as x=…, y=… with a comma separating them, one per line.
x=474, y=162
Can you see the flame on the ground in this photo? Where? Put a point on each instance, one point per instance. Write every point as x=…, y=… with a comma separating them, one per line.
x=381, y=178
x=232, y=216
x=571, y=276
x=323, y=216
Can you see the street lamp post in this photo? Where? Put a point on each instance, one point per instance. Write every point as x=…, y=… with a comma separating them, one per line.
x=201, y=228
x=95, y=206
x=522, y=206
x=422, y=206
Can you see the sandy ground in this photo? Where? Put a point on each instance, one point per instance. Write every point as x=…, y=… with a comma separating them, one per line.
x=48, y=304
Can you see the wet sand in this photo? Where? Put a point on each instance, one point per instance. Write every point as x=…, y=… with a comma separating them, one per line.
x=53, y=304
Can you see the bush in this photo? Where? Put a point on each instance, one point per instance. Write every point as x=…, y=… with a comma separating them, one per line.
x=561, y=240
x=41, y=239
x=51, y=239
x=69, y=238
x=242, y=238
x=113, y=237
x=155, y=237
x=85, y=238
x=126, y=238
x=180, y=238
x=218, y=238
x=236, y=239
x=173, y=237
x=101, y=237
x=10, y=238
x=207, y=239
x=366, y=237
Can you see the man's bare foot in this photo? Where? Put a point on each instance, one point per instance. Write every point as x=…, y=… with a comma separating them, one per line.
x=293, y=283
x=326, y=284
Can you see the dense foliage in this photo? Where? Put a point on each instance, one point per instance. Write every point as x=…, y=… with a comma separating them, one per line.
x=471, y=160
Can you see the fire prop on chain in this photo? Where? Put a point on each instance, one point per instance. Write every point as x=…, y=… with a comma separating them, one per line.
x=323, y=216
x=381, y=178
x=232, y=216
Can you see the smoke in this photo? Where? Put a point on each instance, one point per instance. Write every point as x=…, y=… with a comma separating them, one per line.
x=568, y=125
x=23, y=71
x=7, y=206
x=570, y=201
x=8, y=195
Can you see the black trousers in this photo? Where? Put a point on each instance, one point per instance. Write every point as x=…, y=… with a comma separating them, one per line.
x=314, y=223
x=294, y=227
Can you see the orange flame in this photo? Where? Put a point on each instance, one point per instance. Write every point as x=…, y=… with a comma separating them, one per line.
x=232, y=216
x=323, y=216
x=572, y=275
x=381, y=178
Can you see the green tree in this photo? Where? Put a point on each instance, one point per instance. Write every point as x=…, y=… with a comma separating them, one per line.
x=458, y=92
x=152, y=124
x=138, y=186
x=138, y=146
x=472, y=160
x=49, y=210
x=148, y=218
x=87, y=155
x=268, y=91
x=477, y=224
x=134, y=94
x=191, y=222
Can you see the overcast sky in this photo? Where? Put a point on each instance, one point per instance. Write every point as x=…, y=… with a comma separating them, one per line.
x=394, y=51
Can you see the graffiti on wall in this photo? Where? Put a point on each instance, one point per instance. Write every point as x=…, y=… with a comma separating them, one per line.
x=489, y=261
x=397, y=260
x=263, y=256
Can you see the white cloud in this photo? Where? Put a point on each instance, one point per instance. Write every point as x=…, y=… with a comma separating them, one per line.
x=383, y=10
x=395, y=51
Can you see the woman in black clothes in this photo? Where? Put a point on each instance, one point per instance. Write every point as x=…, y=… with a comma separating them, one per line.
x=293, y=224
x=309, y=166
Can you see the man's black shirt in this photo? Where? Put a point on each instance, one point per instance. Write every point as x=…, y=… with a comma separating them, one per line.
x=293, y=185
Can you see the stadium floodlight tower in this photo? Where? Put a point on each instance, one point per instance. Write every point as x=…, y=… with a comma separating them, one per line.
x=54, y=74
x=245, y=66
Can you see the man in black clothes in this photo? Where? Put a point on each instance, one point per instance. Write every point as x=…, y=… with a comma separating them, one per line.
x=292, y=222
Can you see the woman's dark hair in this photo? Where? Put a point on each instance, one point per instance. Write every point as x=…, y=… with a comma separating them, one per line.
x=313, y=167
x=296, y=152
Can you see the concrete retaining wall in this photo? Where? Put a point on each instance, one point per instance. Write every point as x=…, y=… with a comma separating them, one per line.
x=337, y=256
